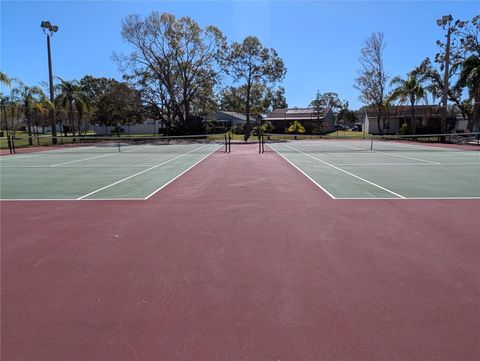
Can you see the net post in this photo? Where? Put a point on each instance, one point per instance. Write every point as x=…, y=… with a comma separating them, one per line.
x=226, y=143
x=13, y=143
x=371, y=142
x=229, y=142
x=9, y=144
x=263, y=143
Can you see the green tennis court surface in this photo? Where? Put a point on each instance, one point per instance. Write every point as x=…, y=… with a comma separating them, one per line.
x=77, y=173
x=343, y=169
x=348, y=169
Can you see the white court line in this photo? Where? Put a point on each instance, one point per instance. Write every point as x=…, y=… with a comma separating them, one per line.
x=136, y=174
x=346, y=172
x=149, y=165
x=69, y=199
x=391, y=155
x=143, y=199
x=185, y=171
x=99, y=156
x=405, y=164
x=385, y=164
x=83, y=159
x=409, y=198
x=305, y=174
x=80, y=166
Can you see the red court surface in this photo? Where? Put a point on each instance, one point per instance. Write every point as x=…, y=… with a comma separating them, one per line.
x=241, y=258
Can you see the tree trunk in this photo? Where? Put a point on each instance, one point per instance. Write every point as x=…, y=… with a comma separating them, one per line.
x=476, y=114
x=4, y=109
x=379, y=122
x=29, y=126
x=412, y=116
x=247, y=109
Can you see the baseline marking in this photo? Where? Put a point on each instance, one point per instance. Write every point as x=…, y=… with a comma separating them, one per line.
x=392, y=155
x=185, y=171
x=346, y=172
x=305, y=174
x=143, y=199
x=141, y=172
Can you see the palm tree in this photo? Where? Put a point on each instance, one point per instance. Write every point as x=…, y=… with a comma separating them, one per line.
x=470, y=78
x=4, y=100
x=28, y=97
x=71, y=98
x=409, y=90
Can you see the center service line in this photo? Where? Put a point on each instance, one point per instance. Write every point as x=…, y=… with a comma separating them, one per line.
x=346, y=172
x=136, y=174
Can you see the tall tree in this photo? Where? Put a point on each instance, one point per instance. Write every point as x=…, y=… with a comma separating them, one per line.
x=121, y=105
x=94, y=88
x=175, y=54
x=252, y=63
x=327, y=100
x=28, y=96
x=465, y=42
x=278, y=99
x=470, y=78
x=4, y=79
x=411, y=91
x=262, y=99
x=72, y=99
x=4, y=102
x=346, y=115
x=372, y=80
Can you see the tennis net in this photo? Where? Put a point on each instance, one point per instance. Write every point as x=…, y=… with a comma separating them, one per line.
x=113, y=144
x=397, y=143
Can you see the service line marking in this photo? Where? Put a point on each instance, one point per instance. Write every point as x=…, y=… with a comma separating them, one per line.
x=82, y=160
x=346, y=172
x=141, y=172
x=391, y=155
x=305, y=174
x=185, y=171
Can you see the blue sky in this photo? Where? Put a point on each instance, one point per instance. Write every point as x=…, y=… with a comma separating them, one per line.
x=319, y=41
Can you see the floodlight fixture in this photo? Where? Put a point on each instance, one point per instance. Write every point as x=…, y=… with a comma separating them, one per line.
x=48, y=28
x=446, y=19
x=46, y=25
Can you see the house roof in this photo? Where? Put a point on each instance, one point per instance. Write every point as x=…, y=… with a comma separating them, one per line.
x=404, y=111
x=229, y=115
x=297, y=114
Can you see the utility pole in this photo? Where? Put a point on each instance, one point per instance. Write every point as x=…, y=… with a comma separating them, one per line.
x=49, y=30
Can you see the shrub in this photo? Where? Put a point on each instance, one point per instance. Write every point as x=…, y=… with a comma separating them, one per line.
x=403, y=129
x=296, y=127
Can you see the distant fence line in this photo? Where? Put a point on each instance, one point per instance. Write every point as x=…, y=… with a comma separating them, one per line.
x=39, y=120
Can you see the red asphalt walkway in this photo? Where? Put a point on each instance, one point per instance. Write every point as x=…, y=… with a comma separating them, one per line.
x=241, y=258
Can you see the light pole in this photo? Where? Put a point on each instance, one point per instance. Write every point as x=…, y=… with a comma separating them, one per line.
x=445, y=24
x=49, y=30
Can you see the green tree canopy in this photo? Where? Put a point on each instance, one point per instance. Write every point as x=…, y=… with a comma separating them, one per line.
x=409, y=91
x=252, y=63
x=176, y=58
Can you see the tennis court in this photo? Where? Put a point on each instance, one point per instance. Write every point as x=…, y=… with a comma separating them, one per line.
x=357, y=169
x=344, y=169
x=100, y=169
x=241, y=256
